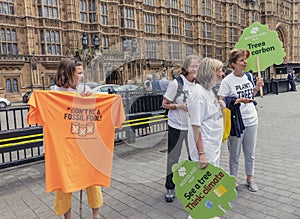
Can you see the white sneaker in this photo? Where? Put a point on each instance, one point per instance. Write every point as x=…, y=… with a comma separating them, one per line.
x=189, y=217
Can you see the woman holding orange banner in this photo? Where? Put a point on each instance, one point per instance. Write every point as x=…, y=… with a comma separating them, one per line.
x=68, y=77
x=240, y=85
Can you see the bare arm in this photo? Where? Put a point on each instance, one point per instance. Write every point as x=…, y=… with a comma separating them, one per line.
x=167, y=104
x=203, y=162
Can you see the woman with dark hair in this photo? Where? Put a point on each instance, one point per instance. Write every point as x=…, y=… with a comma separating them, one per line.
x=238, y=85
x=175, y=100
x=69, y=75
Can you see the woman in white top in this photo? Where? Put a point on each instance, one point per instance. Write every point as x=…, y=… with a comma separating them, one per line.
x=205, y=115
x=238, y=85
x=175, y=99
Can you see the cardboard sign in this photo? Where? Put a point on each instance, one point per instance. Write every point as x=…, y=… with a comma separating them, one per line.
x=262, y=43
x=203, y=193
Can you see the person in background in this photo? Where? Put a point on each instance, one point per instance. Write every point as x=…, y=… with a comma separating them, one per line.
x=155, y=82
x=67, y=78
x=175, y=101
x=291, y=77
x=163, y=82
x=148, y=83
x=237, y=85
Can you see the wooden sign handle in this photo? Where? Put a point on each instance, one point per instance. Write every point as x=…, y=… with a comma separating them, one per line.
x=259, y=76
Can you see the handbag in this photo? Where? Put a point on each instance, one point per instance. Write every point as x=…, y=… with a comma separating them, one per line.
x=227, y=123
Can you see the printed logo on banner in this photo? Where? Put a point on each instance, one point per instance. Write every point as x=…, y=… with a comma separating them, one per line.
x=204, y=193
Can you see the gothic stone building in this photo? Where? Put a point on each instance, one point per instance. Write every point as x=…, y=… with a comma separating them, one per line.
x=123, y=40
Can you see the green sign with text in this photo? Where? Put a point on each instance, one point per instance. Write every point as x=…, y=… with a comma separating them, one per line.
x=204, y=193
x=263, y=43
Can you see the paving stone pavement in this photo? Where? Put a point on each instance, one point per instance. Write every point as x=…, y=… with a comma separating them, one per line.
x=137, y=187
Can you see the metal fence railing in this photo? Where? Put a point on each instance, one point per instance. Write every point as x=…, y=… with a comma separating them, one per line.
x=21, y=143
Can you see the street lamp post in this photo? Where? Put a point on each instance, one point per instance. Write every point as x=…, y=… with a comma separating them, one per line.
x=43, y=80
x=86, y=55
x=121, y=73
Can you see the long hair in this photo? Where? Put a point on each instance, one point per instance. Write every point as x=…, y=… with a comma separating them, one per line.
x=235, y=54
x=65, y=71
x=207, y=72
x=187, y=62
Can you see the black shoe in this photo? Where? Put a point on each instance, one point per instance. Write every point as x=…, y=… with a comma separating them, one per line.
x=170, y=195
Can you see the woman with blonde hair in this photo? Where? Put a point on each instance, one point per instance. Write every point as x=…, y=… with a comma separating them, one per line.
x=205, y=115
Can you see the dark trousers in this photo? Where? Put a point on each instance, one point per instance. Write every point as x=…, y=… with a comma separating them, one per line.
x=175, y=140
x=293, y=85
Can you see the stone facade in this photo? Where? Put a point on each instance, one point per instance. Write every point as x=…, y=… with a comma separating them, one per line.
x=136, y=37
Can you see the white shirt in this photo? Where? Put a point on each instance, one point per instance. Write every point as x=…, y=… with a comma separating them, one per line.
x=239, y=87
x=178, y=118
x=205, y=111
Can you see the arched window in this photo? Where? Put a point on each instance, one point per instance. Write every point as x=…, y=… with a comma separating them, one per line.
x=8, y=86
x=12, y=85
x=15, y=86
x=9, y=42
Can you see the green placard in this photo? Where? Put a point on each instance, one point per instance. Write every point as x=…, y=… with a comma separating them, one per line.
x=263, y=43
x=203, y=193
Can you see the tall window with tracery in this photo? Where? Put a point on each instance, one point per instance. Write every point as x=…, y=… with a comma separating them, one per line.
x=7, y=7
x=92, y=11
x=172, y=3
x=173, y=48
x=189, y=50
x=51, y=44
x=149, y=2
x=233, y=14
x=188, y=6
x=207, y=51
x=83, y=11
x=105, y=42
x=8, y=42
x=129, y=19
x=47, y=8
x=104, y=14
x=218, y=12
x=206, y=30
x=150, y=49
x=219, y=53
x=188, y=28
x=206, y=7
x=149, y=21
x=173, y=25
x=233, y=35
x=243, y=18
x=219, y=34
